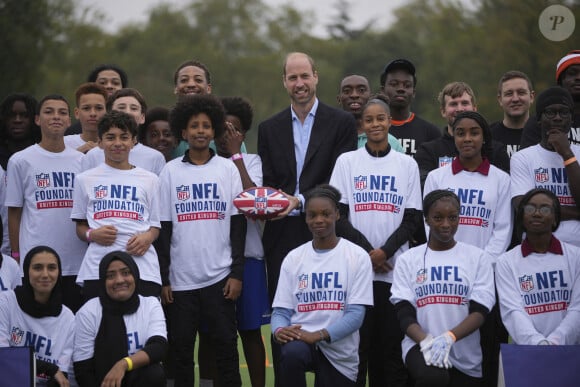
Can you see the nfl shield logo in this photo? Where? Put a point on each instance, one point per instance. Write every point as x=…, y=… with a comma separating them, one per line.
x=360, y=183
x=443, y=161
x=261, y=203
x=421, y=276
x=541, y=175
x=42, y=180
x=16, y=335
x=302, y=281
x=100, y=191
x=526, y=283
x=182, y=192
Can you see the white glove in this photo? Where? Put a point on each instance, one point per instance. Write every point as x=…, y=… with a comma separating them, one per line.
x=440, y=350
x=425, y=345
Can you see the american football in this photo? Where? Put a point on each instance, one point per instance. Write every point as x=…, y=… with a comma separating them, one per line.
x=261, y=202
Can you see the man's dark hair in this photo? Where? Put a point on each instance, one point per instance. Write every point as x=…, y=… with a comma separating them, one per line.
x=556, y=207
x=127, y=92
x=117, y=119
x=241, y=108
x=50, y=97
x=192, y=105
x=102, y=67
x=6, y=111
x=194, y=63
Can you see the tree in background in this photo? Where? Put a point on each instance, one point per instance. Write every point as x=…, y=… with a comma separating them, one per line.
x=49, y=46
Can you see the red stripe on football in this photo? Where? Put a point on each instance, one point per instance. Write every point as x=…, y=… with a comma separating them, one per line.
x=261, y=202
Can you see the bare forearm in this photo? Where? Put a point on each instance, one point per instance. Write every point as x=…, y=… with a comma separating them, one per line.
x=472, y=322
x=416, y=333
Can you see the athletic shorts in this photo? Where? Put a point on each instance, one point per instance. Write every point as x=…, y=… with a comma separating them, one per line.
x=252, y=308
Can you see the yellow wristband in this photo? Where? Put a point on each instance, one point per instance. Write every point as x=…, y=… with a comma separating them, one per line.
x=569, y=161
x=129, y=363
x=452, y=336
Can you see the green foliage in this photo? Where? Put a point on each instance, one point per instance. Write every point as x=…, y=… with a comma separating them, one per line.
x=51, y=45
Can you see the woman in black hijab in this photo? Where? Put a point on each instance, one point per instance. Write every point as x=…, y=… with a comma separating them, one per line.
x=120, y=337
x=33, y=315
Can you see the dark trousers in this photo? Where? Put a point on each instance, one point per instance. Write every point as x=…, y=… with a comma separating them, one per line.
x=71, y=293
x=91, y=289
x=186, y=311
x=297, y=358
x=385, y=360
x=150, y=376
x=492, y=334
x=281, y=236
x=363, y=350
x=431, y=376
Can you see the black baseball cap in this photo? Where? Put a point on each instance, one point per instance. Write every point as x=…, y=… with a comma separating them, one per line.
x=398, y=64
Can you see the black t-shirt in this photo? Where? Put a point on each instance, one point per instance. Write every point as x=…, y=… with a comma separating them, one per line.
x=413, y=132
x=510, y=137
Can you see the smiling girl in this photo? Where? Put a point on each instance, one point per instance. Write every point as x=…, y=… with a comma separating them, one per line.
x=531, y=317
x=442, y=292
x=33, y=315
x=320, y=302
x=381, y=196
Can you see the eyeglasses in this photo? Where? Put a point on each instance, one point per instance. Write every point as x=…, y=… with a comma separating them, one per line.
x=530, y=209
x=563, y=113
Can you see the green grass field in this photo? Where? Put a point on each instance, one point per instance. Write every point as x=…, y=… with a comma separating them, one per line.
x=244, y=368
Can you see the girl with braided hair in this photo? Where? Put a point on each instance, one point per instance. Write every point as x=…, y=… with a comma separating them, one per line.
x=486, y=213
x=442, y=292
x=324, y=288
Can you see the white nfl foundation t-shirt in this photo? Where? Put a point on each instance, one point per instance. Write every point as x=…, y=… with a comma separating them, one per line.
x=536, y=167
x=377, y=191
x=9, y=274
x=5, y=247
x=198, y=200
x=126, y=199
x=539, y=295
x=146, y=322
x=318, y=286
x=50, y=337
x=440, y=284
x=254, y=247
x=42, y=183
x=141, y=156
x=485, y=216
x=74, y=141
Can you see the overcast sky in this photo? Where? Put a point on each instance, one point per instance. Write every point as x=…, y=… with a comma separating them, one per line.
x=120, y=12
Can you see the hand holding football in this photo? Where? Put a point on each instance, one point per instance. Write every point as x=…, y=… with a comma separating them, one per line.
x=261, y=202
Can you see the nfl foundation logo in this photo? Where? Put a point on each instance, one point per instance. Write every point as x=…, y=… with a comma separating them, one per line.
x=42, y=180
x=421, y=276
x=541, y=175
x=100, y=192
x=445, y=160
x=16, y=335
x=360, y=183
x=261, y=203
x=526, y=283
x=302, y=281
x=182, y=192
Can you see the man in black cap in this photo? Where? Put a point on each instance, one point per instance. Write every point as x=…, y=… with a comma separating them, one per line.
x=398, y=82
x=567, y=76
x=552, y=164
